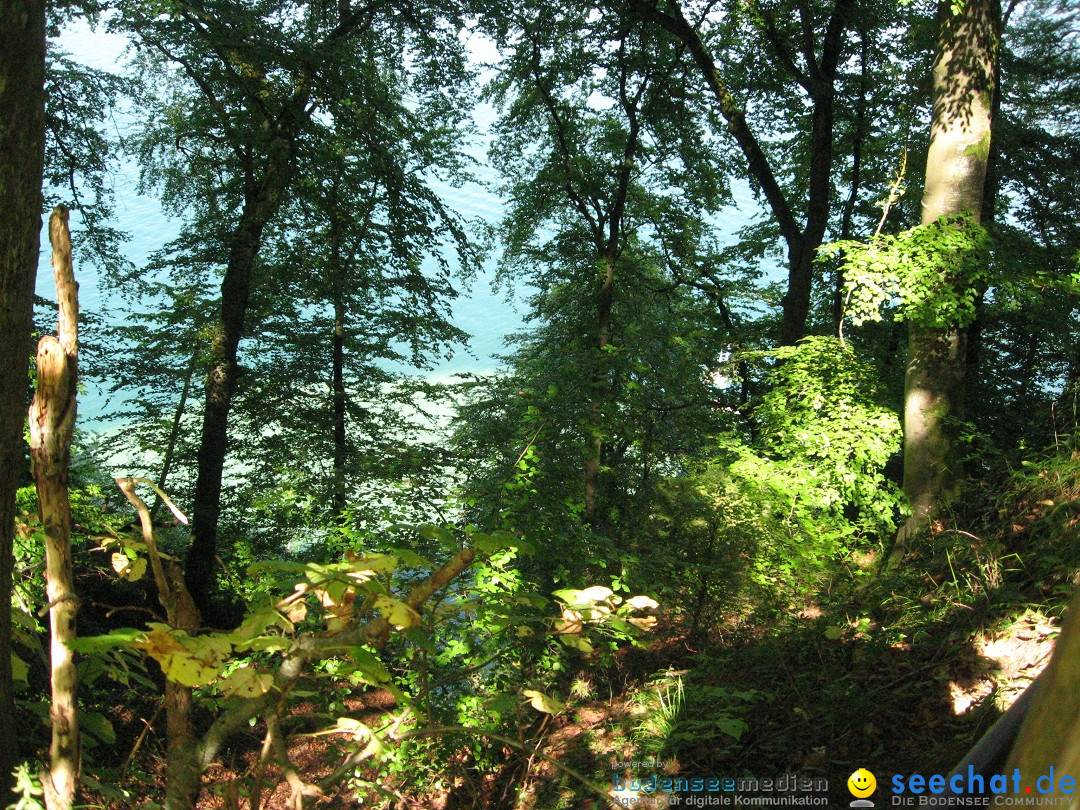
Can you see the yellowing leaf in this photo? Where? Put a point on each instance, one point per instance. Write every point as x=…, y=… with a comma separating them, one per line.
x=338, y=601
x=246, y=682
x=587, y=596
x=159, y=642
x=187, y=660
x=296, y=611
x=138, y=570
x=596, y=593
x=364, y=567
x=542, y=702
x=570, y=622
x=577, y=643
x=131, y=570
x=359, y=731
x=596, y=613
x=396, y=612
x=522, y=632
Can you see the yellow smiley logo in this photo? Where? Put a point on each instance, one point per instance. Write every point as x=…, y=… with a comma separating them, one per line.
x=861, y=783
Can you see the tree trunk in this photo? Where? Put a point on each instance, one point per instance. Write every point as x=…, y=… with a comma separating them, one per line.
x=955, y=180
x=595, y=446
x=1049, y=738
x=22, y=156
x=337, y=382
x=52, y=424
x=259, y=207
x=819, y=82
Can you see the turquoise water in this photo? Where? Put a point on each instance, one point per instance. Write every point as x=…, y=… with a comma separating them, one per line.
x=481, y=312
x=486, y=315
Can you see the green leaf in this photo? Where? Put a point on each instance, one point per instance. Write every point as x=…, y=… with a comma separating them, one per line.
x=421, y=640
x=124, y=637
x=258, y=623
x=19, y=670
x=369, y=665
x=266, y=644
x=97, y=724
x=412, y=559
x=732, y=726
x=437, y=534
x=542, y=702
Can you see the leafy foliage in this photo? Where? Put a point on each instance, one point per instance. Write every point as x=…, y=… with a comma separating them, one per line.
x=645, y=461
x=929, y=274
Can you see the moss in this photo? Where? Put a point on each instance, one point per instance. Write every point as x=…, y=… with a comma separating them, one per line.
x=980, y=149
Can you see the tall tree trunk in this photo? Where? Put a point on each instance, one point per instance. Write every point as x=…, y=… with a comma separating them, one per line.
x=337, y=385
x=594, y=450
x=991, y=188
x=22, y=157
x=52, y=424
x=955, y=179
x=259, y=207
x=818, y=78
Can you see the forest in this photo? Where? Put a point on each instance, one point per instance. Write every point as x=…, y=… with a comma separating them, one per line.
x=773, y=498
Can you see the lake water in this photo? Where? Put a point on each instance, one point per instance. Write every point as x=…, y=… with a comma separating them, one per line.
x=486, y=315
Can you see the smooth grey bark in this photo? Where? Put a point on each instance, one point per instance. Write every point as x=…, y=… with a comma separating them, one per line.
x=956, y=167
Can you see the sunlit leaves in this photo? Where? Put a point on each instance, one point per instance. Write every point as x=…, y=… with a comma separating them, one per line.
x=930, y=274
x=130, y=569
x=124, y=637
x=543, y=703
x=246, y=682
x=400, y=615
x=598, y=607
x=188, y=660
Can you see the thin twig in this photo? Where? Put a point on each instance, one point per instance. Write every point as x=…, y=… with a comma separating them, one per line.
x=140, y=739
x=895, y=193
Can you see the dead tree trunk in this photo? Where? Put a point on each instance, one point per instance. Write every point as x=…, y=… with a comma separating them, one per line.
x=52, y=423
x=182, y=773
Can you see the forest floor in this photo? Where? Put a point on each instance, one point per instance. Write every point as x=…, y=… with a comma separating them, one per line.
x=818, y=693
x=899, y=673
